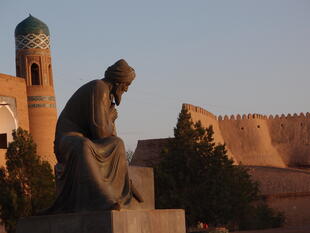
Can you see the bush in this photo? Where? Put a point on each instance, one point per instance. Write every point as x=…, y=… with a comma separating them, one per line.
x=261, y=217
x=27, y=183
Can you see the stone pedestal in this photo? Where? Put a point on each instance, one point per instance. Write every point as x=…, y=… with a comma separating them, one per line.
x=123, y=221
x=143, y=180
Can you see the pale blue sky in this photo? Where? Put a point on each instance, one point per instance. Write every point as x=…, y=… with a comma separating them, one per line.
x=233, y=56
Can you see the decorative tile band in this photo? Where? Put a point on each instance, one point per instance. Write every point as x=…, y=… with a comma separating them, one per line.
x=32, y=41
x=42, y=105
x=41, y=98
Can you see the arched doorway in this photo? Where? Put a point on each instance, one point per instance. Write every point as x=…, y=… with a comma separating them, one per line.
x=8, y=123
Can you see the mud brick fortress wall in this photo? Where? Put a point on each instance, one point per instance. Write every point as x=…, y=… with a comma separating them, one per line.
x=275, y=149
x=277, y=152
x=254, y=139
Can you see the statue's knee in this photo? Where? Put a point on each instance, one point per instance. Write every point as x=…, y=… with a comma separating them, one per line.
x=84, y=144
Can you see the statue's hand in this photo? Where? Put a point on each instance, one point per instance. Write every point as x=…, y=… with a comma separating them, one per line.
x=113, y=114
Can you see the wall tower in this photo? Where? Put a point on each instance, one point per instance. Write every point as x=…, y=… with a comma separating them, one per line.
x=33, y=63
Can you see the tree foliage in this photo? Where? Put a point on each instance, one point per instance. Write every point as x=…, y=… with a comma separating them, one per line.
x=129, y=155
x=26, y=183
x=197, y=175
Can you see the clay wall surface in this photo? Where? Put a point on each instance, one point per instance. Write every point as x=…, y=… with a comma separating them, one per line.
x=254, y=139
x=249, y=141
x=268, y=145
x=286, y=190
x=148, y=152
x=247, y=138
x=2, y=157
x=290, y=135
x=41, y=99
x=206, y=118
x=296, y=209
x=24, y=59
x=281, y=181
x=15, y=87
x=42, y=120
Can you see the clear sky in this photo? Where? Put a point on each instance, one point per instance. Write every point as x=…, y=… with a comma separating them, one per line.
x=229, y=57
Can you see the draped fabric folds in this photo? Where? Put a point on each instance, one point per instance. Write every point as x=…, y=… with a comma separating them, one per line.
x=92, y=171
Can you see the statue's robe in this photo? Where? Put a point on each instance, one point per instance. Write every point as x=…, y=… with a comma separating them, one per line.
x=91, y=158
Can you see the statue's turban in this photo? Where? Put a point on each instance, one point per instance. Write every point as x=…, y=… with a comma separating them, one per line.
x=120, y=71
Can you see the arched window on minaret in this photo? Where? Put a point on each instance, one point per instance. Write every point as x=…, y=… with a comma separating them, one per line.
x=35, y=74
x=50, y=75
x=18, y=71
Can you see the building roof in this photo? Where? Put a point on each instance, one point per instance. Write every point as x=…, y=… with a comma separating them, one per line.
x=31, y=25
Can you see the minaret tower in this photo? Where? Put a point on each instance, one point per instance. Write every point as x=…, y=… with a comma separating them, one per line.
x=33, y=63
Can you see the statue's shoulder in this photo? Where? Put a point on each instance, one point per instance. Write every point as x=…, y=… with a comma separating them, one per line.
x=99, y=84
x=95, y=85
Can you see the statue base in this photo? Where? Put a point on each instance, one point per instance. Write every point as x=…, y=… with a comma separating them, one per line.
x=123, y=221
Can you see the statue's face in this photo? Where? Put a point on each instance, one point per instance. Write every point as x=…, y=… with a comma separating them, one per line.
x=118, y=90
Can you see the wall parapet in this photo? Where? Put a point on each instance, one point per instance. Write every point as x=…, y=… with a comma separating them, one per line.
x=290, y=116
x=263, y=117
x=197, y=109
x=7, y=77
x=242, y=117
x=249, y=116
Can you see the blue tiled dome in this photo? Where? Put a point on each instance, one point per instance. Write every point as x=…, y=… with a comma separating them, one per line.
x=31, y=25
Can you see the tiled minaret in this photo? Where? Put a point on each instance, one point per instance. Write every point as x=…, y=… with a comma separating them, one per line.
x=33, y=63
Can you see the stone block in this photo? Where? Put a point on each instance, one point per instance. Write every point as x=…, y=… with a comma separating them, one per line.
x=123, y=221
x=143, y=180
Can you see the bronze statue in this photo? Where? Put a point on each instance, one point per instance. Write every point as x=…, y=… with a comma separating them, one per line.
x=92, y=171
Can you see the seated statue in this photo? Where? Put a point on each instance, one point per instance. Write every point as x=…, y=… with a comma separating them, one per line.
x=92, y=172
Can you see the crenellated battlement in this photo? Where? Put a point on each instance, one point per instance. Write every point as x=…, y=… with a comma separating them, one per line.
x=276, y=140
x=249, y=116
x=263, y=117
x=197, y=109
x=290, y=116
x=242, y=117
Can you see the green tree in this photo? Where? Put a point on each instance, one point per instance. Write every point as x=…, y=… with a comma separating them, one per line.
x=197, y=175
x=129, y=155
x=27, y=183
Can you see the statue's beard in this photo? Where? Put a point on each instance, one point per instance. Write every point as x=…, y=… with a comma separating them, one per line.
x=118, y=97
